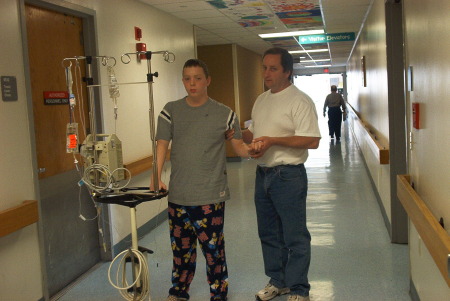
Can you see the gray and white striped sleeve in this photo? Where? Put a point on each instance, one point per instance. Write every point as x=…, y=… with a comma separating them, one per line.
x=233, y=123
x=164, y=128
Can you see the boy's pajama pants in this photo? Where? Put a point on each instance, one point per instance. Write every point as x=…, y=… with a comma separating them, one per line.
x=189, y=224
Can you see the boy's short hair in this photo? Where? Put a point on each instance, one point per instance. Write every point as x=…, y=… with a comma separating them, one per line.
x=197, y=63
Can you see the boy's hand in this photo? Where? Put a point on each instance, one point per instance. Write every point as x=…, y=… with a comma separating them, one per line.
x=229, y=134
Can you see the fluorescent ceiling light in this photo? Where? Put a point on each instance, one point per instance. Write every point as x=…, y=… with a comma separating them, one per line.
x=318, y=66
x=306, y=51
x=312, y=61
x=290, y=33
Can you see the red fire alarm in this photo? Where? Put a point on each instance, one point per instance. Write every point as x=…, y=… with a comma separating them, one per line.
x=416, y=115
x=137, y=33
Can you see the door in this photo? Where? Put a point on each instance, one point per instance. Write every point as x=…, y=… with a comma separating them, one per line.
x=70, y=231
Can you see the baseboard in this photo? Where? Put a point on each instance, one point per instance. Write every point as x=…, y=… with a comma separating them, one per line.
x=413, y=292
x=234, y=159
x=374, y=187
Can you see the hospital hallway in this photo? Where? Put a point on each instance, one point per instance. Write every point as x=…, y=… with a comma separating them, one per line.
x=352, y=256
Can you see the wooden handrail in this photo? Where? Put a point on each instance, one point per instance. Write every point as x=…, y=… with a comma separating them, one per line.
x=139, y=166
x=142, y=165
x=18, y=217
x=432, y=233
x=381, y=152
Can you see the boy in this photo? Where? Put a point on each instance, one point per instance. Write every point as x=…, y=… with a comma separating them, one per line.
x=196, y=125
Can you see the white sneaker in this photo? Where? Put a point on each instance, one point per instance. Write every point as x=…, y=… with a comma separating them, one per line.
x=270, y=292
x=298, y=298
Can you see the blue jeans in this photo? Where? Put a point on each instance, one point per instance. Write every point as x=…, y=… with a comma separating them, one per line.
x=280, y=199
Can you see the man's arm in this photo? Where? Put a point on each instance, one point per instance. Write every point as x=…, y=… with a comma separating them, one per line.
x=325, y=106
x=302, y=142
x=344, y=107
x=161, y=150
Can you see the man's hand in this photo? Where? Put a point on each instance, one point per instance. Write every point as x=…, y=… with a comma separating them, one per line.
x=254, y=148
x=229, y=134
x=260, y=145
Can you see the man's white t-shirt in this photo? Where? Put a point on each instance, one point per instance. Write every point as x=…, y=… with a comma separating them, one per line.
x=289, y=112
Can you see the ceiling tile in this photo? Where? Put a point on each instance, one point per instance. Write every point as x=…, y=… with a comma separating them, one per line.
x=191, y=6
x=198, y=14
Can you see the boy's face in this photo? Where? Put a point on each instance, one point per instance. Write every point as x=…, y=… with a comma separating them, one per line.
x=274, y=76
x=195, y=81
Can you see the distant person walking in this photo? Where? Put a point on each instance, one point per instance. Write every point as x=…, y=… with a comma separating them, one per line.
x=334, y=101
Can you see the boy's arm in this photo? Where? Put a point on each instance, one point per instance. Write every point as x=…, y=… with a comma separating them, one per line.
x=240, y=148
x=161, y=150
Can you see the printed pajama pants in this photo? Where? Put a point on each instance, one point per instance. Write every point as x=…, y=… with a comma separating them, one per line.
x=189, y=224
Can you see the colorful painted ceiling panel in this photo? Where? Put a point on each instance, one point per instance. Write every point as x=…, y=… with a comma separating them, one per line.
x=293, y=5
x=302, y=14
x=311, y=19
x=289, y=43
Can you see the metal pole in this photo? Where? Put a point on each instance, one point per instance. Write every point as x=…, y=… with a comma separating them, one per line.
x=151, y=113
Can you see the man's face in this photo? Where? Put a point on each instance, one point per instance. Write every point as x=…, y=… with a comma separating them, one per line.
x=195, y=81
x=274, y=76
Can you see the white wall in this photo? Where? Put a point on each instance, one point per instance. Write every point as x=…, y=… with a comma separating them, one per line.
x=371, y=102
x=427, y=48
x=115, y=20
x=19, y=251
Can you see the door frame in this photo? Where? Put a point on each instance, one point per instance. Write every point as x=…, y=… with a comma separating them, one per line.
x=397, y=115
x=90, y=45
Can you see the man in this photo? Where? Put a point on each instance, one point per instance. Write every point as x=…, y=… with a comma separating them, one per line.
x=196, y=125
x=284, y=126
x=334, y=101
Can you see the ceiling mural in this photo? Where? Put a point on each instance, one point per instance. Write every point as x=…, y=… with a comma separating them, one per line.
x=266, y=14
x=304, y=14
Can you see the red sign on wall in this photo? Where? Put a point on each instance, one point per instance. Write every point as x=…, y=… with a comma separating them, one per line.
x=56, y=97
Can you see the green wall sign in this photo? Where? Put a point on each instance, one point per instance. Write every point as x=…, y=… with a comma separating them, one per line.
x=326, y=38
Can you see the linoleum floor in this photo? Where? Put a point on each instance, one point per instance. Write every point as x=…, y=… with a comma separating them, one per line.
x=352, y=257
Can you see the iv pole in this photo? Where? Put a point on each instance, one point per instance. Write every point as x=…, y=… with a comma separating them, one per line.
x=140, y=286
x=131, y=197
x=148, y=55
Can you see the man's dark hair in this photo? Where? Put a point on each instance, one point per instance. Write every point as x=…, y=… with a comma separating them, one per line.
x=286, y=59
x=197, y=63
x=333, y=88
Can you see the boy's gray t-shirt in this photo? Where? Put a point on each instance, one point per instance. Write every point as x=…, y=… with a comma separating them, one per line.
x=198, y=158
